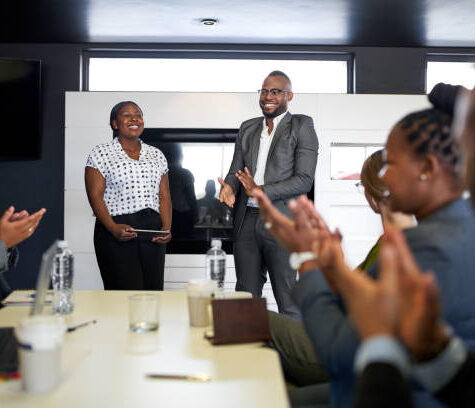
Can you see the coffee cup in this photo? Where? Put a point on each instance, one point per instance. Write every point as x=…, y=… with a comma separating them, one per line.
x=40, y=340
x=199, y=293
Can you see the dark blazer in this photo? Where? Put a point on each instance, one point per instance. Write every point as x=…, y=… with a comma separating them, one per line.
x=382, y=385
x=290, y=166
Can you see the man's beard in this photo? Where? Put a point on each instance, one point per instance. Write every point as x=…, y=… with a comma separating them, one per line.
x=271, y=115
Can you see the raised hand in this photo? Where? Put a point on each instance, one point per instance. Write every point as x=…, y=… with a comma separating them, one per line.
x=420, y=327
x=403, y=303
x=281, y=228
x=298, y=235
x=16, y=216
x=247, y=181
x=226, y=195
x=373, y=305
x=16, y=227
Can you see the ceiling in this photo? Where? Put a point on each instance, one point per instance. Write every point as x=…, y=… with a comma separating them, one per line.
x=408, y=23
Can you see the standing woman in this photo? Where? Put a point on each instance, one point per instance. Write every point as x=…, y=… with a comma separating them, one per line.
x=127, y=188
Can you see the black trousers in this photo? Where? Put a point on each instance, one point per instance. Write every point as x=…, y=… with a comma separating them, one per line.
x=256, y=252
x=132, y=265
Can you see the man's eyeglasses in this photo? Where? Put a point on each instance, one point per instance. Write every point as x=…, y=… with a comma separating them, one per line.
x=273, y=91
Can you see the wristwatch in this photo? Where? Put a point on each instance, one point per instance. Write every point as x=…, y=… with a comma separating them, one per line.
x=298, y=258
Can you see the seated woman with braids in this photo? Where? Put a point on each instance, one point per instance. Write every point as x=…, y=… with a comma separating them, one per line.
x=421, y=172
x=299, y=362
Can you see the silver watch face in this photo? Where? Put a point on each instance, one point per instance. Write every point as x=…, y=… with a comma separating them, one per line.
x=294, y=260
x=298, y=258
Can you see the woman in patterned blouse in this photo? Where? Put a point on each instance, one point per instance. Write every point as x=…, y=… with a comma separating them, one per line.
x=127, y=188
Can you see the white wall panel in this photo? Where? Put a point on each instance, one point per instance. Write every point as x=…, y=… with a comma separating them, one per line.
x=337, y=111
x=338, y=118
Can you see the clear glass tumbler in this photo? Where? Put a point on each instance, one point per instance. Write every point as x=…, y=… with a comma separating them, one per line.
x=143, y=312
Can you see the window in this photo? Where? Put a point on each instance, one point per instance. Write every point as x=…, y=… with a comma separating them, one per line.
x=346, y=160
x=309, y=72
x=453, y=71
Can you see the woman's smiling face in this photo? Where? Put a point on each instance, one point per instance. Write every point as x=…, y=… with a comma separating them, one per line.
x=129, y=121
x=401, y=173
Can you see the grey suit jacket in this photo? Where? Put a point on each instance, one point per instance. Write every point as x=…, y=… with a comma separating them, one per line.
x=290, y=166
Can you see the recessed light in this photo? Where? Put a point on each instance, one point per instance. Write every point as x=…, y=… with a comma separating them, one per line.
x=209, y=21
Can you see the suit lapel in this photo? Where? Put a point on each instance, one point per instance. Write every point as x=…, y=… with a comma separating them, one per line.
x=255, y=142
x=282, y=128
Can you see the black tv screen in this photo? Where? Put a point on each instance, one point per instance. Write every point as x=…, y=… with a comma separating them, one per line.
x=196, y=158
x=20, y=90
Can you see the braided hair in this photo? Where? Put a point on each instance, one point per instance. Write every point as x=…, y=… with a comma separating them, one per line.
x=429, y=132
x=115, y=111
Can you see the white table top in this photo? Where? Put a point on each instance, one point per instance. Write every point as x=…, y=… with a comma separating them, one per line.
x=105, y=364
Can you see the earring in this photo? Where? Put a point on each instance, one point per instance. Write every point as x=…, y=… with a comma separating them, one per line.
x=423, y=177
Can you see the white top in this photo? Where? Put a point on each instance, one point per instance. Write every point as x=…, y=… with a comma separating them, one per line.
x=264, y=146
x=131, y=185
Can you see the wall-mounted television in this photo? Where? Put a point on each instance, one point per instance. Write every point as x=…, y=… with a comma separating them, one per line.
x=20, y=90
x=196, y=158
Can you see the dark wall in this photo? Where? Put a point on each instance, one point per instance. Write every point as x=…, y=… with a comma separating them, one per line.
x=40, y=183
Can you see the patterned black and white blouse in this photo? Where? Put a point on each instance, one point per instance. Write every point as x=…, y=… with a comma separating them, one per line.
x=131, y=185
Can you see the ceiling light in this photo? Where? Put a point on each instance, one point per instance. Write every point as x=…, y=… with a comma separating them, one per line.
x=209, y=21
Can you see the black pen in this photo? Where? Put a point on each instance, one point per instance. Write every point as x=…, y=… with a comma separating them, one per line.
x=72, y=328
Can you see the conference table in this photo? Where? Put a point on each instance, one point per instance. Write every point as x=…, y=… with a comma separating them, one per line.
x=104, y=364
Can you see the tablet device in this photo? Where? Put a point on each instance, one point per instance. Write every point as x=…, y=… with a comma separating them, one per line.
x=151, y=233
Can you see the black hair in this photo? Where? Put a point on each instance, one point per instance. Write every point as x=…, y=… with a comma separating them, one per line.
x=282, y=74
x=429, y=132
x=115, y=110
x=443, y=96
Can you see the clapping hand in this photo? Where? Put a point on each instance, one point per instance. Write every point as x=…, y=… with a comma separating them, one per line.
x=308, y=232
x=419, y=325
x=247, y=181
x=16, y=227
x=292, y=235
x=226, y=195
x=402, y=303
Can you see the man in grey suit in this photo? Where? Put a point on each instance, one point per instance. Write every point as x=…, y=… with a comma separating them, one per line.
x=276, y=153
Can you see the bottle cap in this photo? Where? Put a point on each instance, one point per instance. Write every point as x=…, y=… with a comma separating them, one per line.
x=201, y=287
x=216, y=243
x=62, y=244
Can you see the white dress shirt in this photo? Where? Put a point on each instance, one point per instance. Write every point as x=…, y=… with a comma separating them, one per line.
x=264, y=146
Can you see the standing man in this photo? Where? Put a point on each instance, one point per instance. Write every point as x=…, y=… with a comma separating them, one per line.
x=276, y=153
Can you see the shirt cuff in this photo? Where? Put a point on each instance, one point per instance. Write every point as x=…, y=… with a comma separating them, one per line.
x=382, y=349
x=437, y=373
